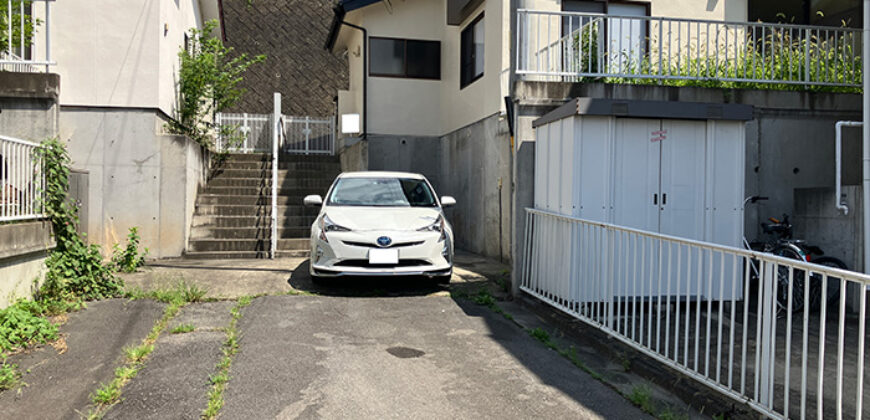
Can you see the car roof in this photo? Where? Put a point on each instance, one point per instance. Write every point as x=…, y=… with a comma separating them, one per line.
x=381, y=174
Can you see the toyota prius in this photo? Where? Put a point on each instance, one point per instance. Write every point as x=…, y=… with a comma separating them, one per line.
x=381, y=224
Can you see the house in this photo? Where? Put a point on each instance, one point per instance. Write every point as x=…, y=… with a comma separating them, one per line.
x=452, y=88
x=118, y=66
x=103, y=79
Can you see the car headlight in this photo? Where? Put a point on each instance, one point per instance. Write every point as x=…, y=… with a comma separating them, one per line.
x=437, y=226
x=327, y=225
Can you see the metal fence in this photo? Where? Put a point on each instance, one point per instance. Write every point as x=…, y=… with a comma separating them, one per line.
x=569, y=45
x=247, y=133
x=21, y=180
x=25, y=44
x=698, y=308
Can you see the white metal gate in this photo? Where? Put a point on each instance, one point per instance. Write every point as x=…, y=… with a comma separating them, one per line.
x=251, y=133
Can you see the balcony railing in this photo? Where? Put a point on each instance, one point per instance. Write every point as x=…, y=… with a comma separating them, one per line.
x=25, y=35
x=570, y=46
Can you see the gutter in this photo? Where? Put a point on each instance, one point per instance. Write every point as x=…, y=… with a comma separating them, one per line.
x=338, y=16
x=337, y=21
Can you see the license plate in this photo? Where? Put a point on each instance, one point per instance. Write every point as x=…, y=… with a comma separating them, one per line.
x=384, y=256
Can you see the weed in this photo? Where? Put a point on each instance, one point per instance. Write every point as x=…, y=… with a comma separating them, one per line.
x=22, y=324
x=183, y=328
x=641, y=396
x=138, y=354
x=539, y=334
x=180, y=293
x=129, y=259
x=230, y=348
x=484, y=298
x=107, y=393
x=669, y=414
x=9, y=375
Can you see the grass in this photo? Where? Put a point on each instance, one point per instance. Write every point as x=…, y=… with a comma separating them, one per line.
x=641, y=396
x=230, y=347
x=135, y=357
x=182, y=329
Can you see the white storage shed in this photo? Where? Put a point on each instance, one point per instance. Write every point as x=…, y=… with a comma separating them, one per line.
x=675, y=168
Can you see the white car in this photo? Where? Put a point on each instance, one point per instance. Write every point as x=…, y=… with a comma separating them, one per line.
x=381, y=224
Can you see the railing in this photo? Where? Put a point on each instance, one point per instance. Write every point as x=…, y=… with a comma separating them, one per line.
x=566, y=46
x=248, y=133
x=21, y=180
x=20, y=23
x=697, y=308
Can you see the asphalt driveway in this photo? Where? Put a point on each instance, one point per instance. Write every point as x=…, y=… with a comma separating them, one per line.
x=371, y=348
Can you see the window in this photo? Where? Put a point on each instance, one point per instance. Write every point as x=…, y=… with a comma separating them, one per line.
x=382, y=192
x=405, y=58
x=471, y=58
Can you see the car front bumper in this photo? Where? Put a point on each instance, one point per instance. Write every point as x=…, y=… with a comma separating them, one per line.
x=347, y=253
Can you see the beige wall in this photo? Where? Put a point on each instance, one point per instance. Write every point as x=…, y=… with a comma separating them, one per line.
x=120, y=53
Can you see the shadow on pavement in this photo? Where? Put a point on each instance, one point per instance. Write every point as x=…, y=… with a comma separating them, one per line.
x=398, y=286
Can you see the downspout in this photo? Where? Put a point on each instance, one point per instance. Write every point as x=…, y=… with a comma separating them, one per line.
x=365, y=75
x=866, y=134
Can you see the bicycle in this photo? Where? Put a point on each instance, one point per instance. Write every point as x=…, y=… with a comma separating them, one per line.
x=784, y=245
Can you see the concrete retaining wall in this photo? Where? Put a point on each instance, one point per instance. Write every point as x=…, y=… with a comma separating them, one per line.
x=28, y=105
x=24, y=246
x=471, y=164
x=137, y=176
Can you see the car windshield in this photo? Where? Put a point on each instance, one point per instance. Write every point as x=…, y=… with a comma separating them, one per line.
x=382, y=192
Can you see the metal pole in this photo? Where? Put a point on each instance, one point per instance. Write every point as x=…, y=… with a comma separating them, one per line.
x=276, y=133
x=865, y=58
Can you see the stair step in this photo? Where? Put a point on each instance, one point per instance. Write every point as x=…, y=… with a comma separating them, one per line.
x=261, y=191
x=252, y=221
x=283, y=157
x=261, y=232
x=267, y=165
x=260, y=200
x=267, y=173
x=247, y=244
x=254, y=210
x=264, y=182
x=226, y=255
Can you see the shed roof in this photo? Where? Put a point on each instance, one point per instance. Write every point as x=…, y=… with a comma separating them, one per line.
x=648, y=109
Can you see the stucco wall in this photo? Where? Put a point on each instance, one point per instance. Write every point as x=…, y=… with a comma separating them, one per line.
x=136, y=176
x=24, y=246
x=120, y=52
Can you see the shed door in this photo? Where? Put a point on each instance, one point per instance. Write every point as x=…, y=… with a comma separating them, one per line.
x=636, y=174
x=683, y=179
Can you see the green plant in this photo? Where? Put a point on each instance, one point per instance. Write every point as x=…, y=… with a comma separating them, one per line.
x=75, y=269
x=641, y=396
x=208, y=80
x=182, y=329
x=129, y=259
x=22, y=324
x=19, y=20
x=539, y=334
x=484, y=298
x=230, y=347
x=181, y=292
x=139, y=353
x=9, y=375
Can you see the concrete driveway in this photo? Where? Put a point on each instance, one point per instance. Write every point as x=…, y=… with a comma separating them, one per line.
x=363, y=349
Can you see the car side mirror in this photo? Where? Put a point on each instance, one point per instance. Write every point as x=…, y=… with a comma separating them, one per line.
x=448, y=201
x=312, y=200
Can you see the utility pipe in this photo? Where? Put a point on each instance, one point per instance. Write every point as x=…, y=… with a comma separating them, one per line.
x=865, y=61
x=839, y=159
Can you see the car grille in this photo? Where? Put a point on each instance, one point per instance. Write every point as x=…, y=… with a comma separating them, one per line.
x=366, y=264
x=372, y=245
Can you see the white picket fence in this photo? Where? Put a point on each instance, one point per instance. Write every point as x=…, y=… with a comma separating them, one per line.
x=696, y=307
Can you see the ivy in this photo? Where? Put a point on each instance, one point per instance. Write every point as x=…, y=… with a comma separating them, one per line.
x=208, y=81
x=75, y=269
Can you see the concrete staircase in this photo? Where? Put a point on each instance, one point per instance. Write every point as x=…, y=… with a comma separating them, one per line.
x=232, y=218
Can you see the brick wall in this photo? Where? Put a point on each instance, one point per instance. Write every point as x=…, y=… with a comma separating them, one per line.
x=291, y=33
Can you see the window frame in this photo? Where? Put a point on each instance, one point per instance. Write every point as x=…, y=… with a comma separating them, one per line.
x=470, y=27
x=404, y=74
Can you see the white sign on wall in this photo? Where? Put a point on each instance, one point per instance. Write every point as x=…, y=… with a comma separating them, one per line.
x=350, y=123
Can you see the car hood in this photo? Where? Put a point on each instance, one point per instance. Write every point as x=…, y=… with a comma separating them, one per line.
x=382, y=218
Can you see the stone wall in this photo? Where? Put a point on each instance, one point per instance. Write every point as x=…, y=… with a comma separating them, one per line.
x=292, y=33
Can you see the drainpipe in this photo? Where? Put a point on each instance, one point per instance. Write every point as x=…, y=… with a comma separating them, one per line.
x=365, y=72
x=866, y=134
x=839, y=165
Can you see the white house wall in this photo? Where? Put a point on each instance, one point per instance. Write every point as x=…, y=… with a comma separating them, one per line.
x=119, y=53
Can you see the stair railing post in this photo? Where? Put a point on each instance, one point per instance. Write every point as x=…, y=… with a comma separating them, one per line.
x=277, y=128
